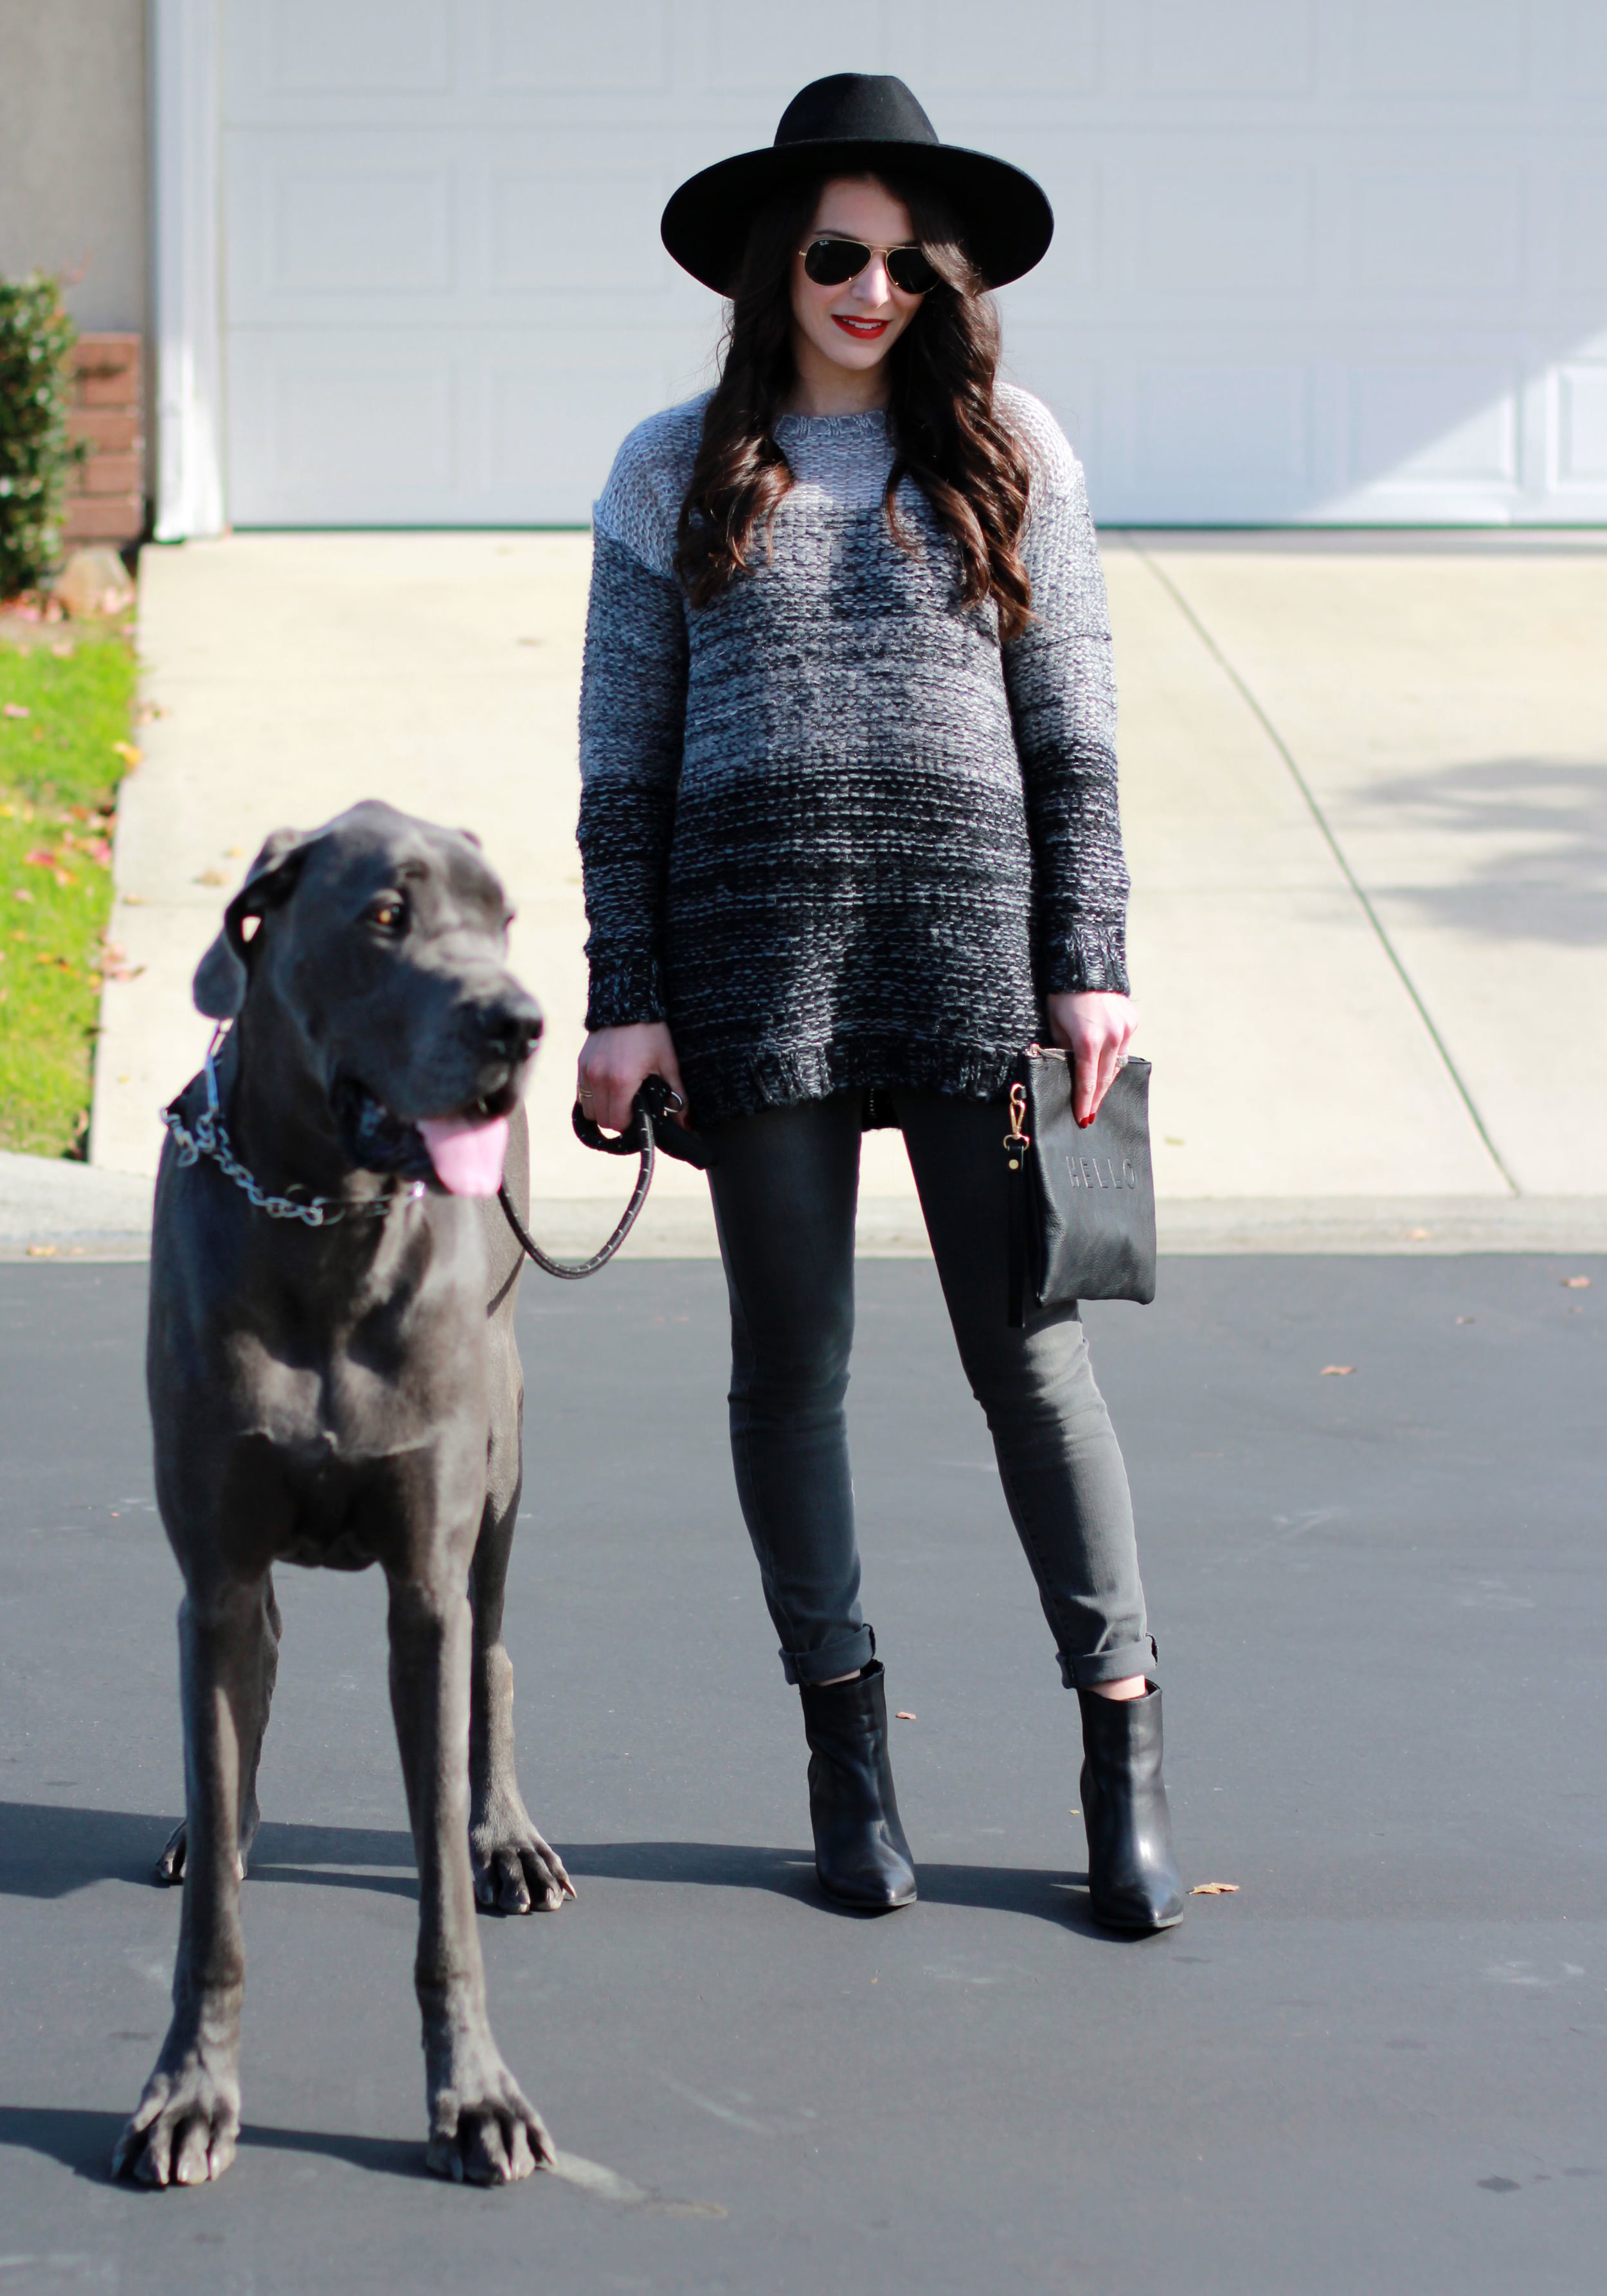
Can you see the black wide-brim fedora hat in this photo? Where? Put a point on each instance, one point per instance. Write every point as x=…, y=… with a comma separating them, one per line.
x=858, y=123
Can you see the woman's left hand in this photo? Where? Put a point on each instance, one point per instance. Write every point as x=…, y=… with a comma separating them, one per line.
x=1095, y=1027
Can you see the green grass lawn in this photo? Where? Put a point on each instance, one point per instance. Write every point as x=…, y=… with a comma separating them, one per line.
x=66, y=715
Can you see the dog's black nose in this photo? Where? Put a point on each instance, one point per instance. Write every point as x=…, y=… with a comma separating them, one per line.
x=510, y=1028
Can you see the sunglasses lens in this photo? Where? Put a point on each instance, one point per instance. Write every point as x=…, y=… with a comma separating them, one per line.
x=834, y=262
x=910, y=272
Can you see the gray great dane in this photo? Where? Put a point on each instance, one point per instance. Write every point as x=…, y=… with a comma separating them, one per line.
x=342, y=1394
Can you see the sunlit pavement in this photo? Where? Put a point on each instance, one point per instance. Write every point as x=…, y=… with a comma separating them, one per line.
x=1369, y=1499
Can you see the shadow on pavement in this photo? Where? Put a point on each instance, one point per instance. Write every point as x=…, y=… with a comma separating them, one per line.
x=48, y=1850
x=1034, y=1891
x=82, y=2141
x=1536, y=864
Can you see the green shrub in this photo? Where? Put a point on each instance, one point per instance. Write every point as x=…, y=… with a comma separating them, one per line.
x=35, y=455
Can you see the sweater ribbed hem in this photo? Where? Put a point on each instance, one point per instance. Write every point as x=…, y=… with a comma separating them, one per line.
x=1091, y=956
x=742, y=1082
x=625, y=991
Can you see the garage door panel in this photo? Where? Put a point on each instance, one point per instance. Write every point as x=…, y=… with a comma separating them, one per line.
x=553, y=227
x=1428, y=48
x=1065, y=54
x=1585, y=48
x=361, y=231
x=1232, y=48
x=369, y=217
x=492, y=431
x=1212, y=229
x=350, y=47
x=337, y=421
x=748, y=50
x=1207, y=433
x=623, y=45
x=1582, y=426
x=529, y=457
x=1433, y=233
x=1434, y=422
x=1582, y=237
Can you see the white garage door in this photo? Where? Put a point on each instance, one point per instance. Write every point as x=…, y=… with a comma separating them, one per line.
x=1316, y=259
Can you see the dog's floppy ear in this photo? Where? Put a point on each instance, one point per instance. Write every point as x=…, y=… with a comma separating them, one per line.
x=220, y=976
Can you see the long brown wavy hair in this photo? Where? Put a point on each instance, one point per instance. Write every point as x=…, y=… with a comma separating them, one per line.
x=947, y=433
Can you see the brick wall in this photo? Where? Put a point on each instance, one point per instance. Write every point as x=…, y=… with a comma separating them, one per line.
x=106, y=501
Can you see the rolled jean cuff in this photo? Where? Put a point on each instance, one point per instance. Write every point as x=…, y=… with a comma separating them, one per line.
x=843, y=1654
x=1109, y=1666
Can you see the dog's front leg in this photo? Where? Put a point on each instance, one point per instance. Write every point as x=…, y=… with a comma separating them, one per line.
x=481, y=2125
x=170, y=1864
x=515, y=1870
x=184, y=2127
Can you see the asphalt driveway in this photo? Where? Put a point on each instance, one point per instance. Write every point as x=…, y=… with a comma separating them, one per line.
x=1381, y=1598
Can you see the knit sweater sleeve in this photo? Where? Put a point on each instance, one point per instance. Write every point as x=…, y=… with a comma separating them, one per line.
x=633, y=707
x=1062, y=689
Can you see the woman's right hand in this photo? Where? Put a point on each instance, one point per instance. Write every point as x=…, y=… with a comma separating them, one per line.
x=614, y=1065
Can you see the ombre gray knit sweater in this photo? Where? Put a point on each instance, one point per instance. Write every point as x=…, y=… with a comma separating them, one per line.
x=833, y=832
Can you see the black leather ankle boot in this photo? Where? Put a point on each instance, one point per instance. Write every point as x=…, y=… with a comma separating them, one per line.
x=1132, y=1874
x=860, y=1853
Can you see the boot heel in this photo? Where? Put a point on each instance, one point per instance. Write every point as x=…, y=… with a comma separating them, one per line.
x=860, y=1852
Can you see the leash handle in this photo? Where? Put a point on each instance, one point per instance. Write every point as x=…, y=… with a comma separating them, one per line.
x=655, y=1103
x=656, y=1100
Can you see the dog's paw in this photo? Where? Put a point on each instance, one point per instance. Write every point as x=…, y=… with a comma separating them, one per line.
x=484, y=2130
x=515, y=1871
x=184, y=2127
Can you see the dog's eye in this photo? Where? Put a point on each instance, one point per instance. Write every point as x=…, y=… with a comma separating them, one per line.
x=390, y=913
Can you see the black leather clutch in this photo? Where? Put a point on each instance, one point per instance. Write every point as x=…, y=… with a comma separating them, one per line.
x=1082, y=1204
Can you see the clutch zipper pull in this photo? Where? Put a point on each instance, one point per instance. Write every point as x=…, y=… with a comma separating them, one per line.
x=1017, y=1141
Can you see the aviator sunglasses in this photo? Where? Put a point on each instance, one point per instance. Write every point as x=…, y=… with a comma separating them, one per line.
x=834, y=262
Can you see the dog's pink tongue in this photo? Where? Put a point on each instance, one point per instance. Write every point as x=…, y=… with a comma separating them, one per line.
x=467, y=1157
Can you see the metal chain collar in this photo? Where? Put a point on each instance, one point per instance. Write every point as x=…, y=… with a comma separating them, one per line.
x=210, y=1138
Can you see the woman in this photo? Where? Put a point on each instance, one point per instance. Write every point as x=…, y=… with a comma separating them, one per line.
x=850, y=838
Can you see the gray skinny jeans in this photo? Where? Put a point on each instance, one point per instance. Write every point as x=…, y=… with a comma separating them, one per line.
x=785, y=1188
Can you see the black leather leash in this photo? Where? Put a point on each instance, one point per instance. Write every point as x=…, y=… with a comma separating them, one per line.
x=657, y=1103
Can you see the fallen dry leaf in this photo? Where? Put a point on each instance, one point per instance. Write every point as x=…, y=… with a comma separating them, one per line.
x=41, y=857
x=1215, y=1889
x=1576, y=1283
x=129, y=754
x=902, y=1716
x=42, y=1250
x=1417, y=1235
x=16, y=710
x=210, y=877
x=1338, y=1371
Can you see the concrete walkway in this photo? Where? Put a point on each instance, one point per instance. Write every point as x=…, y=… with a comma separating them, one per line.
x=1365, y=791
